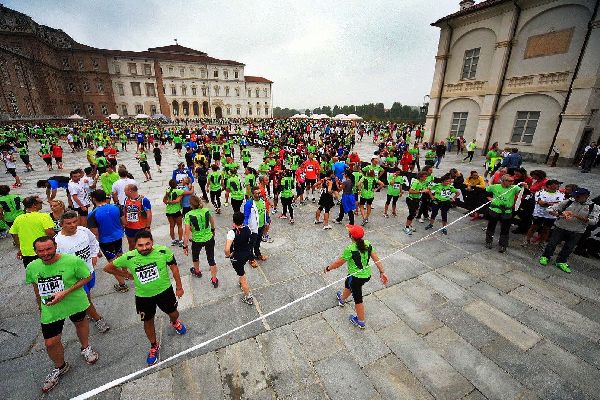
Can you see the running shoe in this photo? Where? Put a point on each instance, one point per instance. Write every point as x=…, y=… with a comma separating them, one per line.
x=180, y=243
x=153, y=354
x=121, y=288
x=421, y=220
x=543, y=261
x=53, y=377
x=564, y=267
x=318, y=222
x=248, y=300
x=291, y=221
x=218, y=211
x=429, y=226
x=337, y=221
x=282, y=216
x=357, y=322
x=413, y=229
x=444, y=231
x=341, y=301
x=215, y=282
x=386, y=216
x=365, y=221
x=394, y=215
x=274, y=211
x=253, y=264
x=268, y=239
x=102, y=326
x=179, y=327
x=408, y=231
x=226, y=204
x=502, y=249
x=326, y=227
x=196, y=274
x=174, y=242
x=89, y=355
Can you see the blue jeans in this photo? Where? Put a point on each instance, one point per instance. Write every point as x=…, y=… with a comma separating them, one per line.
x=438, y=161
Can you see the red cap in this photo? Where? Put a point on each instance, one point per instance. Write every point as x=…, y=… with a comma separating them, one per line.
x=356, y=231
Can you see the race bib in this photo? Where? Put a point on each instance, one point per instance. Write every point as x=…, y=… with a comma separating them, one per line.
x=48, y=286
x=309, y=168
x=397, y=185
x=446, y=193
x=133, y=216
x=147, y=273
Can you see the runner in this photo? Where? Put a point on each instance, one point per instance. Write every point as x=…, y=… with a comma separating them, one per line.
x=367, y=189
x=157, y=156
x=11, y=205
x=395, y=191
x=255, y=218
x=11, y=167
x=327, y=184
x=215, y=186
x=287, y=195
x=137, y=214
x=79, y=196
x=311, y=170
x=442, y=196
x=81, y=242
x=147, y=267
x=238, y=248
x=58, y=281
x=348, y=202
x=200, y=229
x=357, y=255
x=172, y=199
x=545, y=198
x=143, y=160
x=418, y=188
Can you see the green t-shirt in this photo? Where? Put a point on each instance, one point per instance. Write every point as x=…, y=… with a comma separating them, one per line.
x=430, y=155
x=417, y=185
x=106, y=181
x=150, y=274
x=101, y=162
x=395, y=185
x=214, y=180
x=368, y=187
x=12, y=207
x=235, y=187
x=246, y=156
x=177, y=139
x=391, y=161
x=53, y=278
x=172, y=194
x=250, y=180
x=261, y=208
x=503, y=198
x=443, y=192
x=378, y=169
x=357, y=177
x=28, y=227
x=199, y=222
x=287, y=185
x=264, y=168
x=414, y=152
x=358, y=262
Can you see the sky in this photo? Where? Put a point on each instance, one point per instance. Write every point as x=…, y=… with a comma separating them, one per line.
x=316, y=52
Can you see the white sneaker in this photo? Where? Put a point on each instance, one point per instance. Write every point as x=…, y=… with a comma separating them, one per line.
x=421, y=220
x=408, y=231
x=274, y=211
x=54, y=377
x=102, y=326
x=89, y=355
x=326, y=227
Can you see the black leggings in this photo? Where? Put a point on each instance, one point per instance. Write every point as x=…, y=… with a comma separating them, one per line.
x=286, y=203
x=202, y=184
x=444, y=206
x=424, y=208
x=392, y=199
x=350, y=215
x=236, y=205
x=209, y=247
x=413, y=207
x=469, y=156
x=215, y=198
x=355, y=285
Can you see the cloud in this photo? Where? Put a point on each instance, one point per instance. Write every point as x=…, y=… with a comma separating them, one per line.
x=316, y=52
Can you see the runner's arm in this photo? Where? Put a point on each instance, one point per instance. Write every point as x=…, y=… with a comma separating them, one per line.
x=177, y=277
x=61, y=295
x=336, y=264
x=114, y=270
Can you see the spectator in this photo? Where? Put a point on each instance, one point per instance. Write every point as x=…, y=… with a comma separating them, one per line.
x=589, y=157
x=512, y=161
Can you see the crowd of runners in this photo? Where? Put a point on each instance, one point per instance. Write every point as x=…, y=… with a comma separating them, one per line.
x=302, y=162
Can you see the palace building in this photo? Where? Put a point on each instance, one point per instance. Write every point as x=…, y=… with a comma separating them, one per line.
x=522, y=73
x=44, y=73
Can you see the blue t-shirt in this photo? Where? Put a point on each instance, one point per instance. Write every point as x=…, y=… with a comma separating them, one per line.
x=139, y=137
x=185, y=200
x=107, y=218
x=339, y=168
x=191, y=145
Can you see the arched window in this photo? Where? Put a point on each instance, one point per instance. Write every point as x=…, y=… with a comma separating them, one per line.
x=196, y=108
x=175, y=106
x=186, y=108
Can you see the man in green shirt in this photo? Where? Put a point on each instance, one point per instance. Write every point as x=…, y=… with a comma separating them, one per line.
x=246, y=157
x=11, y=205
x=147, y=267
x=200, y=229
x=394, y=192
x=215, y=185
x=233, y=186
x=108, y=178
x=367, y=187
x=502, y=197
x=30, y=226
x=57, y=281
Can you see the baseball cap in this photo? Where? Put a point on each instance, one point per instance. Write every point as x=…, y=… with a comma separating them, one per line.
x=356, y=231
x=580, y=192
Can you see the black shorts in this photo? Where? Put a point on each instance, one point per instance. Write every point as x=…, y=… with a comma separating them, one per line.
x=25, y=159
x=174, y=215
x=12, y=171
x=310, y=182
x=81, y=212
x=177, y=146
x=112, y=250
x=48, y=161
x=238, y=265
x=216, y=156
x=55, y=328
x=57, y=159
x=146, y=306
x=364, y=201
x=145, y=166
x=209, y=246
x=355, y=285
x=541, y=221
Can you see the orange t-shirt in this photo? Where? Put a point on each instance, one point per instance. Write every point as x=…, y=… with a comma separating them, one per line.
x=311, y=169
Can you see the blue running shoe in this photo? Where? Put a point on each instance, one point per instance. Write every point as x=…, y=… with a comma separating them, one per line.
x=341, y=302
x=355, y=321
x=179, y=327
x=153, y=354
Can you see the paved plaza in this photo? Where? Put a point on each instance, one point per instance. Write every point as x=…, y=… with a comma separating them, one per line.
x=456, y=321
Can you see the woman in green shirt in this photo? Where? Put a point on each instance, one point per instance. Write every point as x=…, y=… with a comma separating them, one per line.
x=172, y=199
x=442, y=195
x=357, y=255
x=200, y=230
x=395, y=183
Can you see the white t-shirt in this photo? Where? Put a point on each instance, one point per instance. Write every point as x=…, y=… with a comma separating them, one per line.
x=119, y=188
x=82, y=244
x=78, y=188
x=547, y=197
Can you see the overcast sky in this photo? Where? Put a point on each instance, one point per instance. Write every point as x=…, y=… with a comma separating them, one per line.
x=316, y=52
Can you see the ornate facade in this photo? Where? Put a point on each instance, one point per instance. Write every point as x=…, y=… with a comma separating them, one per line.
x=45, y=73
x=522, y=73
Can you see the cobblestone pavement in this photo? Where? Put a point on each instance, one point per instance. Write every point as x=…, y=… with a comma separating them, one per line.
x=457, y=321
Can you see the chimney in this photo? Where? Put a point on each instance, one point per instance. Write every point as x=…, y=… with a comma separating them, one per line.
x=464, y=4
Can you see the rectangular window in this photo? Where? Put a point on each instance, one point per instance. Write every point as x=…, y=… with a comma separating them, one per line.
x=90, y=109
x=152, y=109
x=71, y=87
x=170, y=70
x=95, y=63
x=121, y=89
x=150, y=90
x=173, y=90
x=216, y=73
x=136, y=89
x=182, y=71
x=203, y=91
x=249, y=93
x=104, y=109
x=86, y=86
x=525, y=126
x=470, y=63
x=194, y=91
x=147, y=69
x=100, y=87
x=203, y=73
x=459, y=122
x=81, y=65
x=226, y=74
x=238, y=111
x=183, y=90
x=117, y=69
x=132, y=68
x=65, y=62
x=236, y=74
x=139, y=109
x=76, y=109
x=124, y=109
